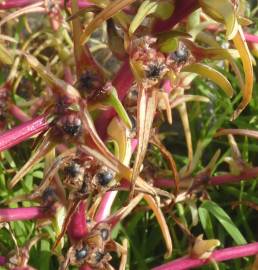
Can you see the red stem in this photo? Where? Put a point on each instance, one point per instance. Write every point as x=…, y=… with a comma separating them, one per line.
x=105, y=206
x=18, y=113
x=122, y=82
x=77, y=227
x=22, y=132
x=27, y=213
x=22, y=3
x=182, y=10
x=248, y=174
x=251, y=38
x=2, y=260
x=218, y=255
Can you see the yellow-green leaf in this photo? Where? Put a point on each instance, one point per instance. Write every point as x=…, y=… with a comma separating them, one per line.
x=5, y=56
x=108, y=12
x=222, y=11
x=213, y=75
x=245, y=55
x=113, y=100
x=147, y=7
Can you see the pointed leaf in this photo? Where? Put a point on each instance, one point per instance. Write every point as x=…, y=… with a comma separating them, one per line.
x=147, y=7
x=50, y=78
x=225, y=221
x=146, y=109
x=212, y=74
x=45, y=146
x=108, y=12
x=113, y=100
x=162, y=223
x=222, y=11
x=245, y=55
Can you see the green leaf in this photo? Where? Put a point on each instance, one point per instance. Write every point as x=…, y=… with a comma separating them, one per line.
x=164, y=10
x=212, y=74
x=222, y=11
x=206, y=222
x=225, y=221
x=114, y=101
x=147, y=7
x=44, y=255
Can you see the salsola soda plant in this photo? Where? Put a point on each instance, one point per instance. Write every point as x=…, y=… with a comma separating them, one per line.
x=128, y=134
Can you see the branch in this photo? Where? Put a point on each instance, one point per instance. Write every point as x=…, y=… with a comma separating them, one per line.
x=23, y=213
x=218, y=255
x=23, y=132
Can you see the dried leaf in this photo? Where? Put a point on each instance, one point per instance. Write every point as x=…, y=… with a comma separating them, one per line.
x=146, y=109
x=5, y=55
x=245, y=55
x=36, y=7
x=49, y=77
x=162, y=223
x=239, y=131
x=108, y=12
x=45, y=146
x=185, y=121
x=185, y=98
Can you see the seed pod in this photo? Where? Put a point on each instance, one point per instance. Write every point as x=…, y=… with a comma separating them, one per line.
x=104, y=177
x=69, y=126
x=89, y=84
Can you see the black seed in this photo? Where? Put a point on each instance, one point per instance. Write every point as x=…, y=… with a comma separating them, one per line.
x=133, y=121
x=73, y=169
x=84, y=188
x=73, y=128
x=88, y=83
x=99, y=256
x=104, y=234
x=153, y=71
x=180, y=55
x=49, y=195
x=81, y=254
x=105, y=177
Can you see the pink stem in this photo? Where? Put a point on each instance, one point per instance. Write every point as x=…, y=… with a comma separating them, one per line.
x=2, y=260
x=77, y=227
x=18, y=113
x=248, y=174
x=224, y=179
x=182, y=10
x=218, y=255
x=22, y=3
x=251, y=38
x=107, y=201
x=14, y=214
x=105, y=206
x=22, y=132
x=122, y=82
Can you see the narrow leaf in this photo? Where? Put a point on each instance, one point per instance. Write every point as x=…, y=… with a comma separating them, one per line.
x=108, y=12
x=212, y=74
x=222, y=11
x=50, y=78
x=147, y=7
x=45, y=146
x=146, y=109
x=245, y=55
x=113, y=100
x=162, y=223
x=225, y=221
